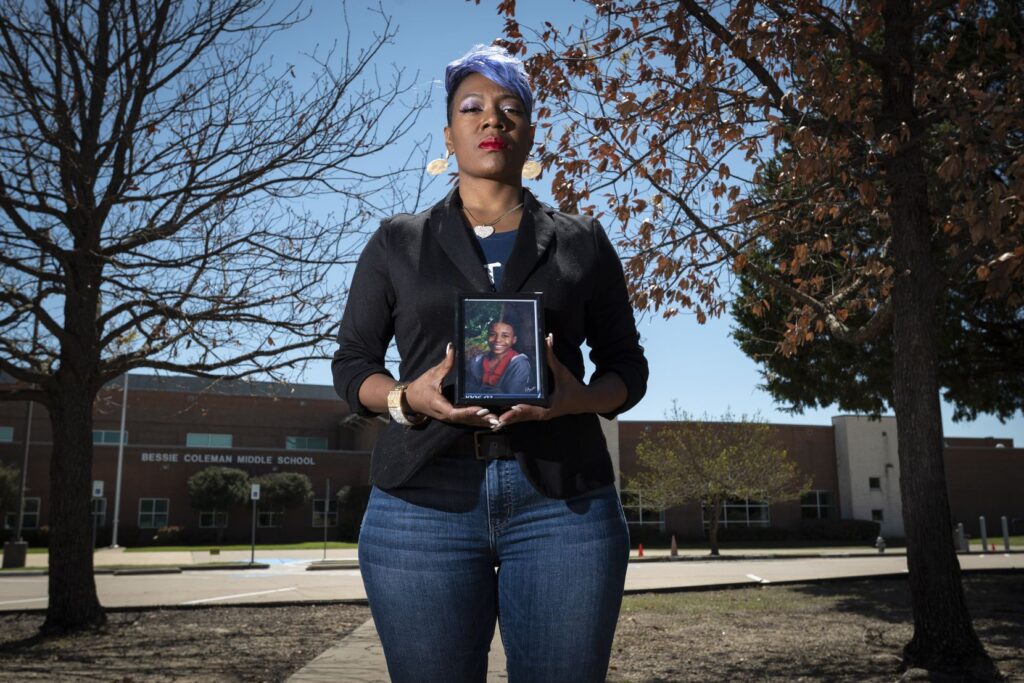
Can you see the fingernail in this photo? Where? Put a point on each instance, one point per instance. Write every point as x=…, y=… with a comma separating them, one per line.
x=516, y=408
x=448, y=349
x=551, y=338
x=494, y=421
x=482, y=412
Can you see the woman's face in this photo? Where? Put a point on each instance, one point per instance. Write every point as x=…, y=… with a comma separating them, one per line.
x=500, y=338
x=490, y=134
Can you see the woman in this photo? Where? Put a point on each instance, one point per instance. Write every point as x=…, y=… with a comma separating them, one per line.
x=477, y=515
x=502, y=370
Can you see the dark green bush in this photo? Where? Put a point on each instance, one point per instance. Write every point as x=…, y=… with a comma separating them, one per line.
x=37, y=538
x=839, y=530
x=752, y=533
x=169, y=535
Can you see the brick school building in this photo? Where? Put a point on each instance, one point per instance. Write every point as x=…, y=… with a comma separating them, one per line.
x=177, y=426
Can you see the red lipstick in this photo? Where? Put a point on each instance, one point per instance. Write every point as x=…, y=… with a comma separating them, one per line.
x=493, y=143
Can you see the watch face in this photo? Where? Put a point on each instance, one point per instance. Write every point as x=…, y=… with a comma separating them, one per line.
x=499, y=356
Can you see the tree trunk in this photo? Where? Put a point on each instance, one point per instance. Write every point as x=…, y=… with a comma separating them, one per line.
x=944, y=637
x=716, y=510
x=73, y=601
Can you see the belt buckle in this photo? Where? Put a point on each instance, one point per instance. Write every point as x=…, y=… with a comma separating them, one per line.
x=488, y=446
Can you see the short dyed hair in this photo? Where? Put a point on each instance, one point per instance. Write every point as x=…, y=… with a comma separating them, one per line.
x=495, y=63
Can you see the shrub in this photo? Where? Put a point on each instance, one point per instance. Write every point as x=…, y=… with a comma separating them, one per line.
x=284, y=490
x=169, y=535
x=752, y=533
x=649, y=536
x=862, y=530
x=37, y=538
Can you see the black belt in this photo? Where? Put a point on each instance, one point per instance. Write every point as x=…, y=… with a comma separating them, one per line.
x=484, y=446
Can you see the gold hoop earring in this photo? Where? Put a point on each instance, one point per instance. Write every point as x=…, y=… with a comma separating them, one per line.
x=439, y=166
x=531, y=169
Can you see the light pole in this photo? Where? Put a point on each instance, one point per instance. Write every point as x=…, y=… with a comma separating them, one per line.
x=120, y=462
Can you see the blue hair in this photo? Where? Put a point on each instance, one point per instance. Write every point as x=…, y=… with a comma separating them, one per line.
x=495, y=63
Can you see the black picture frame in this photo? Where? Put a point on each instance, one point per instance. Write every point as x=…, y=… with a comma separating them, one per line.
x=485, y=379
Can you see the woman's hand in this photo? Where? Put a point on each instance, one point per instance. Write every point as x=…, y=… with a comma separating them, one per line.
x=569, y=396
x=424, y=397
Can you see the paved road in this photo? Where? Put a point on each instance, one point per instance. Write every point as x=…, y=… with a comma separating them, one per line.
x=288, y=580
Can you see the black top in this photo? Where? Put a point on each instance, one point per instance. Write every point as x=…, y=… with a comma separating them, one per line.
x=405, y=286
x=496, y=249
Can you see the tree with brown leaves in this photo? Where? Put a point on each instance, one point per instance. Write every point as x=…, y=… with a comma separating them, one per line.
x=665, y=115
x=150, y=153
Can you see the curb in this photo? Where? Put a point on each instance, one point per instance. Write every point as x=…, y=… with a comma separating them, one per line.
x=800, y=556
x=325, y=565
x=150, y=569
x=223, y=567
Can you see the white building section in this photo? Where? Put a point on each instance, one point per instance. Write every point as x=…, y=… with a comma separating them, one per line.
x=868, y=471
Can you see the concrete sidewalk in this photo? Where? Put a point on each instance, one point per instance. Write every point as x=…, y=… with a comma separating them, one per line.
x=359, y=658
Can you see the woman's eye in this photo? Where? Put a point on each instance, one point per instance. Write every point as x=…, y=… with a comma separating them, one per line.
x=512, y=110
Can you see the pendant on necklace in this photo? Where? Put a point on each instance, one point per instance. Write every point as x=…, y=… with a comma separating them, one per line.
x=483, y=231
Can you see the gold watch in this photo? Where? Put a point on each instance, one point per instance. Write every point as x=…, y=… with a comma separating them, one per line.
x=396, y=407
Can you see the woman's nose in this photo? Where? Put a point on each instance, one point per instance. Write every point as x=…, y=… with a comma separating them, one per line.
x=496, y=118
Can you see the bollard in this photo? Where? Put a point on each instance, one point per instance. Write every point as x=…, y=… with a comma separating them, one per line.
x=1006, y=534
x=674, y=550
x=962, y=538
x=984, y=534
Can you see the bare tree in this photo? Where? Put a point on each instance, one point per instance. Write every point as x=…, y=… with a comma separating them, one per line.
x=150, y=156
x=711, y=461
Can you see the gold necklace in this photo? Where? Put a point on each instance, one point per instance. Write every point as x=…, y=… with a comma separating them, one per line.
x=485, y=230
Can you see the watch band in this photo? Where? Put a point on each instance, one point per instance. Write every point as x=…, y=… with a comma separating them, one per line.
x=396, y=409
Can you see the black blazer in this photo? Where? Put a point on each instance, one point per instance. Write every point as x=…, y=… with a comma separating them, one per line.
x=405, y=286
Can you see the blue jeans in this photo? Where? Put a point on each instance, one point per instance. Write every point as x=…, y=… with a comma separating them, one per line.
x=466, y=542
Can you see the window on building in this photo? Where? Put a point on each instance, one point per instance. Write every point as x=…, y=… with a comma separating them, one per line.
x=199, y=440
x=740, y=512
x=877, y=516
x=306, y=443
x=30, y=520
x=6, y=434
x=213, y=519
x=107, y=436
x=269, y=519
x=318, y=513
x=816, y=505
x=153, y=512
x=875, y=483
x=637, y=515
x=98, y=506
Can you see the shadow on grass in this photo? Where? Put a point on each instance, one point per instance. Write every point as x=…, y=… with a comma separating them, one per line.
x=995, y=602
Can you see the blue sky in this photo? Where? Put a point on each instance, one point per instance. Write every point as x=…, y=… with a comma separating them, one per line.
x=697, y=365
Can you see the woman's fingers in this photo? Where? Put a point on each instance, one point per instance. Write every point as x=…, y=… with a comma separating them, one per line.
x=446, y=364
x=520, y=413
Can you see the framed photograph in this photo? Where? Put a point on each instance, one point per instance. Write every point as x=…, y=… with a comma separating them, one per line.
x=499, y=354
